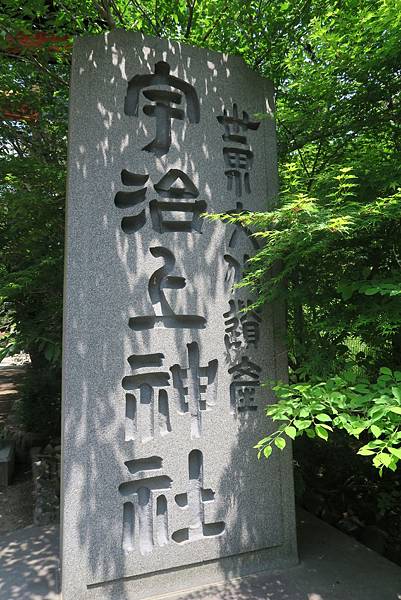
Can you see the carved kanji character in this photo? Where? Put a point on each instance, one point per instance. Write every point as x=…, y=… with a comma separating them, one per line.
x=234, y=125
x=162, y=100
x=195, y=500
x=192, y=383
x=242, y=328
x=142, y=492
x=232, y=336
x=177, y=210
x=237, y=159
x=246, y=378
x=164, y=316
x=238, y=163
x=147, y=402
x=179, y=203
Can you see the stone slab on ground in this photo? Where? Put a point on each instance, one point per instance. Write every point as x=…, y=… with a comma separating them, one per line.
x=7, y=460
x=11, y=374
x=16, y=360
x=333, y=566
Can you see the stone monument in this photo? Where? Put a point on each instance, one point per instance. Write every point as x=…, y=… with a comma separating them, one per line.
x=162, y=396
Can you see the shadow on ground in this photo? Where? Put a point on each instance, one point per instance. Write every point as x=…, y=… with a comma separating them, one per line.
x=29, y=564
x=333, y=567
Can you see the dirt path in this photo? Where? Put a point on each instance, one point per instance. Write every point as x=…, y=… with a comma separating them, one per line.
x=10, y=376
x=16, y=501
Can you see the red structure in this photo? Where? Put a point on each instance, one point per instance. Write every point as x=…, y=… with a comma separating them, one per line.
x=39, y=40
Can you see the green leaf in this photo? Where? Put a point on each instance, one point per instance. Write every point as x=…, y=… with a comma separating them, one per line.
x=326, y=426
x=267, y=451
x=371, y=291
x=377, y=412
x=396, y=452
x=262, y=442
x=377, y=461
x=376, y=430
x=323, y=417
x=291, y=432
x=395, y=409
x=396, y=393
x=364, y=451
x=280, y=443
x=385, y=459
x=322, y=432
x=304, y=412
x=302, y=424
x=356, y=430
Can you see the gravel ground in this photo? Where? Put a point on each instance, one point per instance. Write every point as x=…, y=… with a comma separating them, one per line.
x=16, y=502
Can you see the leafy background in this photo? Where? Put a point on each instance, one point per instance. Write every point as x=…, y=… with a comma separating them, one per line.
x=332, y=243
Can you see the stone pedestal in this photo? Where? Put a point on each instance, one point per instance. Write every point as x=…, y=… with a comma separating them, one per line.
x=163, y=403
x=7, y=460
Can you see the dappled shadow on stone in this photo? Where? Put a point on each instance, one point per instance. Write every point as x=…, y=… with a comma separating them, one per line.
x=116, y=281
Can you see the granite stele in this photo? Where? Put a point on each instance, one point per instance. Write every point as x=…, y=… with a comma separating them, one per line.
x=162, y=489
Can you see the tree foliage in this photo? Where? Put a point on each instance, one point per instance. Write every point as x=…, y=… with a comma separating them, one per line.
x=335, y=230
x=368, y=411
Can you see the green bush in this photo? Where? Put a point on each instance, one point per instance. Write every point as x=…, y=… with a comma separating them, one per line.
x=367, y=411
x=40, y=408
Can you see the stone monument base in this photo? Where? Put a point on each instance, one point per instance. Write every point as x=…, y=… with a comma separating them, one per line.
x=333, y=566
x=196, y=577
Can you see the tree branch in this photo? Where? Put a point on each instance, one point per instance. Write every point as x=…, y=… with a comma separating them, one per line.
x=30, y=58
x=292, y=137
x=215, y=22
x=312, y=174
x=191, y=7
x=117, y=12
x=147, y=17
x=103, y=9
